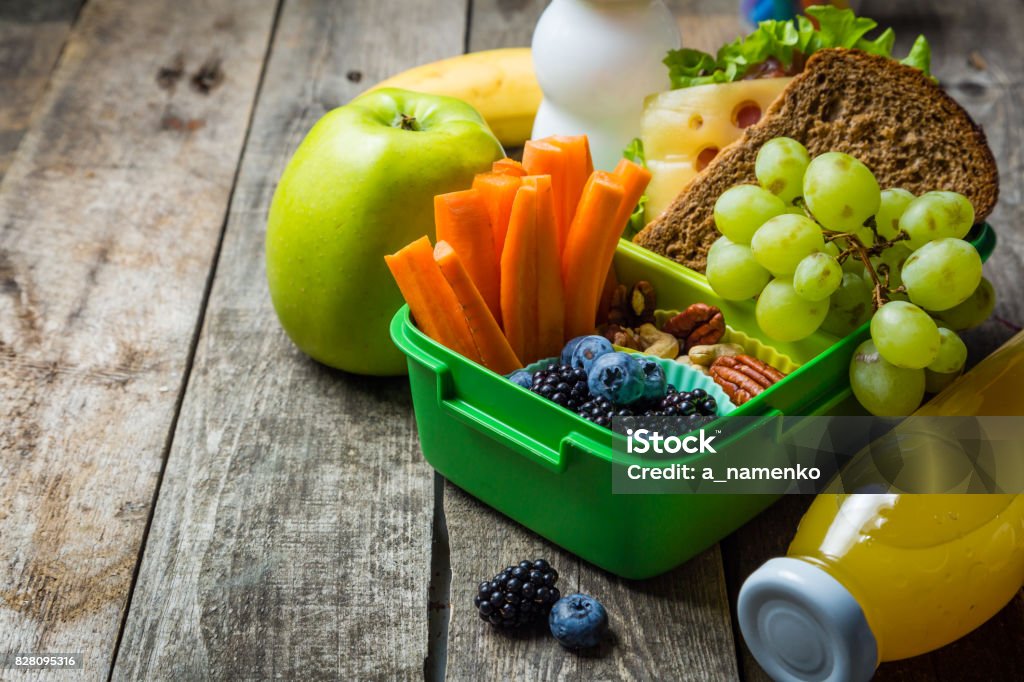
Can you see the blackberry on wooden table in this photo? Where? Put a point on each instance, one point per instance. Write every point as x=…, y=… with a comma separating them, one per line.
x=519, y=595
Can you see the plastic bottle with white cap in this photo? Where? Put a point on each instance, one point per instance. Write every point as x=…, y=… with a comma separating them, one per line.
x=880, y=577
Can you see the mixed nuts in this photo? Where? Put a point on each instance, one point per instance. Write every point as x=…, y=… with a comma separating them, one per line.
x=692, y=338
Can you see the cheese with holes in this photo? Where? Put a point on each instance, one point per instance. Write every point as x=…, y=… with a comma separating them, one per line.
x=682, y=130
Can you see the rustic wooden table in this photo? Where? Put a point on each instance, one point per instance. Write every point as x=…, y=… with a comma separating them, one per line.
x=182, y=493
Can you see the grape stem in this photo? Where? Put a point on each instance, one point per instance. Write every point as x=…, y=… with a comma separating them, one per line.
x=857, y=248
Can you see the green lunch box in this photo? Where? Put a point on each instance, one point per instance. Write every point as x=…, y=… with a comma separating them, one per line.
x=551, y=470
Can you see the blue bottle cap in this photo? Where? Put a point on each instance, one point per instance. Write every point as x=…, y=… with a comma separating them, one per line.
x=801, y=624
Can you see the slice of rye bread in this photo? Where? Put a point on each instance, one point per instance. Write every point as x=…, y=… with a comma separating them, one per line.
x=903, y=126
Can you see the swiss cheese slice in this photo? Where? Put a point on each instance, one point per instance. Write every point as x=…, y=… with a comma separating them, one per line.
x=682, y=130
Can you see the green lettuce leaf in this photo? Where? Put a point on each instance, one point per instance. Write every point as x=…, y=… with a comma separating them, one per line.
x=920, y=56
x=784, y=41
x=635, y=152
x=840, y=27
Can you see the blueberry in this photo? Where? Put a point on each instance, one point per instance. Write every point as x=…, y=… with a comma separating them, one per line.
x=588, y=350
x=617, y=378
x=521, y=377
x=655, y=383
x=578, y=621
x=566, y=357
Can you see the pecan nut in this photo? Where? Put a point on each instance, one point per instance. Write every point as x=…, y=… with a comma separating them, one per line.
x=699, y=325
x=743, y=377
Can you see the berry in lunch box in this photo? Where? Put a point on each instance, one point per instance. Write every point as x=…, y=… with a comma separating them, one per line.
x=588, y=350
x=519, y=595
x=616, y=377
x=566, y=357
x=562, y=384
x=521, y=377
x=687, y=403
x=655, y=382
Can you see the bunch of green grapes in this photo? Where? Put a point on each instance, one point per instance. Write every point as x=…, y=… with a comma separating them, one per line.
x=820, y=245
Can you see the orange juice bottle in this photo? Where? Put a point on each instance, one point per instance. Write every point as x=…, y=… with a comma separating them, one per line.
x=880, y=577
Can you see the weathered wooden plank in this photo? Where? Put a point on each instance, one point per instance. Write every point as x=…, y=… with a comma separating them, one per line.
x=31, y=38
x=675, y=626
x=110, y=215
x=989, y=85
x=483, y=542
x=292, y=534
x=672, y=627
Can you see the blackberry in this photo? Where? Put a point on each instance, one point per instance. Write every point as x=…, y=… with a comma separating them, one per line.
x=519, y=595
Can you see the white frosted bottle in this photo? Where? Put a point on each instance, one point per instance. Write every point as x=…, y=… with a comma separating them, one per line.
x=596, y=60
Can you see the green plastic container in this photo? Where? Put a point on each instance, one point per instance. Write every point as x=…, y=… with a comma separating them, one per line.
x=551, y=470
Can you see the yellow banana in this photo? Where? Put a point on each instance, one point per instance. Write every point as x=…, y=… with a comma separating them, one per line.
x=500, y=84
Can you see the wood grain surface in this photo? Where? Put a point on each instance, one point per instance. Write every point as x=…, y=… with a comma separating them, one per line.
x=110, y=214
x=293, y=529
x=183, y=494
x=32, y=35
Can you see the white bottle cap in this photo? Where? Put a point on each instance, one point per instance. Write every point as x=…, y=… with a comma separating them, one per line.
x=801, y=624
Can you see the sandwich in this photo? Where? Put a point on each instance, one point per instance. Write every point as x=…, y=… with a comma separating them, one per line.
x=851, y=98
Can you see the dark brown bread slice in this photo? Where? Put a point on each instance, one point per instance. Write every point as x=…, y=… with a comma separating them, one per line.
x=903, y=126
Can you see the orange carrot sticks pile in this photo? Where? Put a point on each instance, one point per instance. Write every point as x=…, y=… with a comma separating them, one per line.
x=523, y=259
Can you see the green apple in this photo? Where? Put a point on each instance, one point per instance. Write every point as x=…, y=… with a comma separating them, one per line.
x=360, y=186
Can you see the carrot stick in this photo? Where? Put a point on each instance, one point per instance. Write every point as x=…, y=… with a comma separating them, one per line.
x=634, y=179
x=578, y=166
x=519, y=276
x=498, y=191
x=540, y=157
x=508, y=166
x=494, y=350
x=462, y=220
x=433, y=302
x=550, y=292
x=584, y=263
